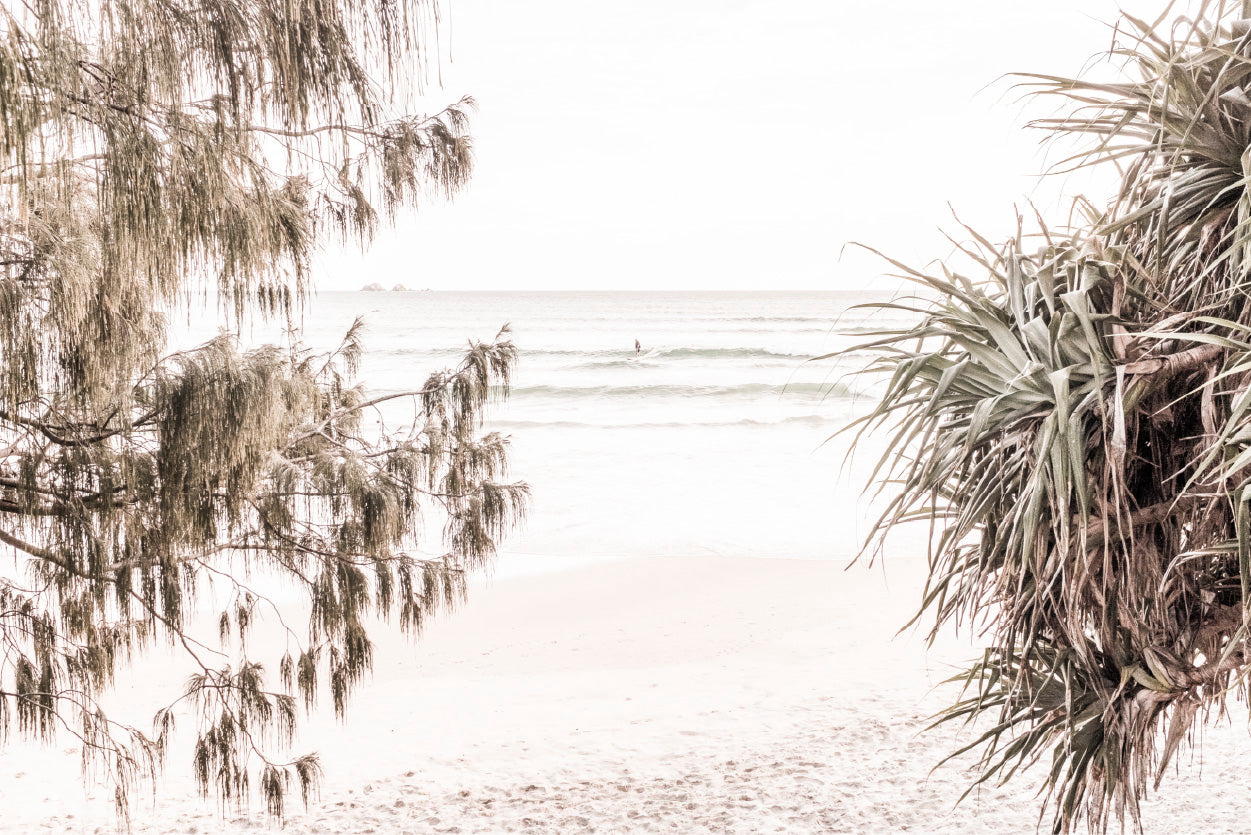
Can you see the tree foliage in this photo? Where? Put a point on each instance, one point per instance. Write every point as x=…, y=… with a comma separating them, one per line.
x=158, y=152
x=1075, y=424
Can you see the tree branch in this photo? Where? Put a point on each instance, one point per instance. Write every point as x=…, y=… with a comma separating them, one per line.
x=1176, y=363
x=44, y=554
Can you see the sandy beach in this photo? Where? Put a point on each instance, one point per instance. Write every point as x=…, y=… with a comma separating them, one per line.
x=639, y=695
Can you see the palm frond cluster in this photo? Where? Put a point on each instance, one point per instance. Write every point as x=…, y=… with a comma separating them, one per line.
x=155, y=152
x=1075, y=424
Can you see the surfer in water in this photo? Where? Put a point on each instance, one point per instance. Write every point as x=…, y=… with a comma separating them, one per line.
x=637, y=347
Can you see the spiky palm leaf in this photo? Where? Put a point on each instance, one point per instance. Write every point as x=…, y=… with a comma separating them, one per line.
x=1076, y=423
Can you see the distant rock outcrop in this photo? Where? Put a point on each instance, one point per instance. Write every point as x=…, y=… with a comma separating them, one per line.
x=373, y=288
x=399, y=288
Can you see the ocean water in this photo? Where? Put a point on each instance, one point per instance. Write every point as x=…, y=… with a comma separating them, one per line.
x=715, y=439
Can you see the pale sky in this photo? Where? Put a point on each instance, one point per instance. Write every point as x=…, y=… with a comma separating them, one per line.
x=731, y=144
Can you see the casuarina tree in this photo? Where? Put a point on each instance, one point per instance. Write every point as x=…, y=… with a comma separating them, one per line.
x=1072, y=415
x=156, y=154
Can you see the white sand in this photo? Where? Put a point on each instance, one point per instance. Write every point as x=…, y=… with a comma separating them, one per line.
x=680, y=695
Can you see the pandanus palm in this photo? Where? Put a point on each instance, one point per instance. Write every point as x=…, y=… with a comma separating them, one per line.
x=1075, y=422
